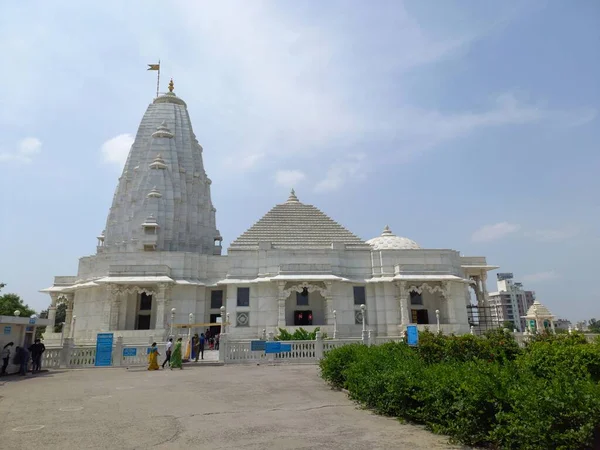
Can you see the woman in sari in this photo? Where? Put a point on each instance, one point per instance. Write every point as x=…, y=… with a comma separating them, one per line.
x=153, y=357
x=176, y=356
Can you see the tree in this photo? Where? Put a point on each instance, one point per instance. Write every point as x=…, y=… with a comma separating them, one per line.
x=9, y=303
x=61, y=316
x=594, y=326
x=508, y=324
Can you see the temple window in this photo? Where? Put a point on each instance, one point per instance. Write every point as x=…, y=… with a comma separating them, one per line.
x=216, y=299
x=243, y=296
x=302, y=298
x=416, y=298
x=360, y=297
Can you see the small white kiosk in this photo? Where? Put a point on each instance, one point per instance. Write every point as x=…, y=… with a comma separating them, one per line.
x=21, y=331
x=539, y=318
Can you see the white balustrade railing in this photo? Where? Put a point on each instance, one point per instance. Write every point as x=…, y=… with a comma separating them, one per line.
x=231, y=351
x=135, y=355
x=241, y=351
x=82, y=357
x=51, y=358
x=302, y=351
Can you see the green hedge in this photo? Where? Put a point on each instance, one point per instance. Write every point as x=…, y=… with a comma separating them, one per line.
x=480, y=390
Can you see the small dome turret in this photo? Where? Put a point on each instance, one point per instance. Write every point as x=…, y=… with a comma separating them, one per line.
x=389, y=241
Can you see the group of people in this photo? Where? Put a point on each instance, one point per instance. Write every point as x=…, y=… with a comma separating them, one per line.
x=174, y=353
x=22, y=356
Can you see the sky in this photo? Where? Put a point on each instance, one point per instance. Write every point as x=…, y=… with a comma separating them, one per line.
x=468, y=124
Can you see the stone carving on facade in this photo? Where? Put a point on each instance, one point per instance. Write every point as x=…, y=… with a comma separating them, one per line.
x=116, y=289
x=299, y=287
x=443, y=289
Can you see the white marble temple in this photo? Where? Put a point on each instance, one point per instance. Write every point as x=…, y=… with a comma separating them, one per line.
x=161, y=250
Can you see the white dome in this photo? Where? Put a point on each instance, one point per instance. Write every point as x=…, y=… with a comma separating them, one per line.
x=389, y=241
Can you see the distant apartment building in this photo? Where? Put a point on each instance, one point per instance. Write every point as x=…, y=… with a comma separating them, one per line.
x=510, y=302
x=562, y=324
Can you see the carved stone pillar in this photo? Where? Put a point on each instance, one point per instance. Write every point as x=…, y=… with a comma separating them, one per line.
x=484, y=290
x=328, y=303
x=281, y=297
x=112, y=307
x=402, y=296
x=68, y=298
x=52, y=310
x=447, y=298
x=162, y=302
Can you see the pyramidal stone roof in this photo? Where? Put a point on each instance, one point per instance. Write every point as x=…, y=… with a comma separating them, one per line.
x=298, y=225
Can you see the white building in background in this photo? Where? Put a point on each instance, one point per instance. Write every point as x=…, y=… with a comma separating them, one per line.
x=160, y=255
x=510, y=302
x=563, y=324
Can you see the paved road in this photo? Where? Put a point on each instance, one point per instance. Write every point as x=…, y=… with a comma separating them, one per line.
x=202, y=407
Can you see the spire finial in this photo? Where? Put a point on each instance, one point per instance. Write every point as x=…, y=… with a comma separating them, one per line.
x=292, y=198
x=171, y=85
x=386, y=231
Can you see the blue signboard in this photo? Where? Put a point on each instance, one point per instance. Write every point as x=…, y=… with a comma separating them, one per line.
x=131, y=351
x=272, y=347
x=286, y=348
x=412, y=335
x=7, y=329
x=32, y=321
x=257, y=346
x=104, y=345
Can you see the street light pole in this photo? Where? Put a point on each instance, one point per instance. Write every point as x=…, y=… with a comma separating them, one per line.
x=365, y=337
x=334, y=324
x=172, y=320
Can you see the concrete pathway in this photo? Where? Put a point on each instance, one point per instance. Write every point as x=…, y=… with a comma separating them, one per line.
x=199, y=407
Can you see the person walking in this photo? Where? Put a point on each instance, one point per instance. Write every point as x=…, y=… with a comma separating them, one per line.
x=201, y=344
x=196, y=341
x=168, y=353
x=37, y=350
x=22, y=359
x=217, y=339
x=153, y=357
x=6, y=357
x=176, y=358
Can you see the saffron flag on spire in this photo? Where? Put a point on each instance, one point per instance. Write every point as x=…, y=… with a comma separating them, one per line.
x=154, y=66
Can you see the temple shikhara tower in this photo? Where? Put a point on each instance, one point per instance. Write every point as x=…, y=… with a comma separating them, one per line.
x=159, y=259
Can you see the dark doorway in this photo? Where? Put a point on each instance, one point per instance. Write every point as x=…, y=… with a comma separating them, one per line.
x=420, y=316
x=143, y=322
x=214, y=329
x=303, y=318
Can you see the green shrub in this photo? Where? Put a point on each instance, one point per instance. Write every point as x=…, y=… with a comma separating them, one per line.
x=333, y=366
x=561, y=413
x=550, y=358
x=462, y=399
x=386, y=379
x=480, y=390
x=497, y=345
x=299, y=335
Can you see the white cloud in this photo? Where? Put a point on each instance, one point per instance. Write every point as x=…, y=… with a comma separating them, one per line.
x=553, y=235
x=26, y=149
x=289, y=178
x=116, y=150
x=243, y=162
x=493, y=232
x=339, y=172
x=277, y=81
x=540, y=276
